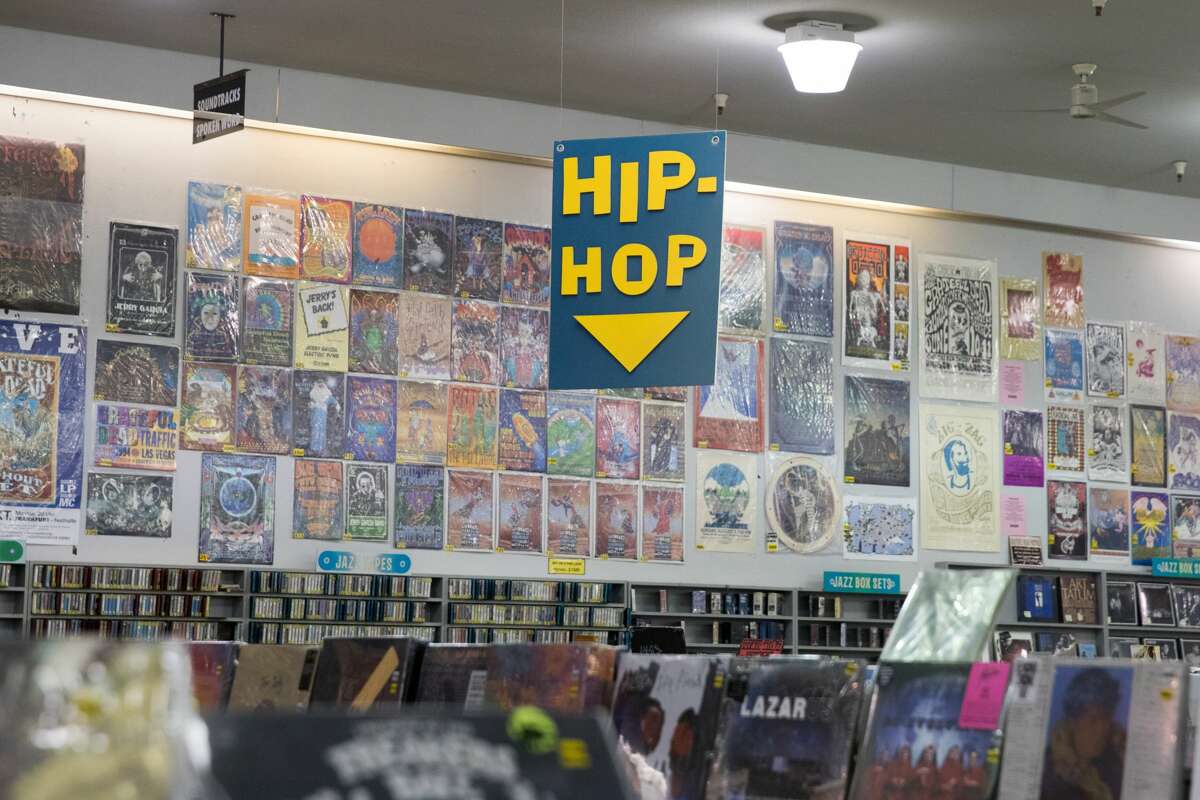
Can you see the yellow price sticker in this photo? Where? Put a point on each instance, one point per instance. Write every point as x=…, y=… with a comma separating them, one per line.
x=298, y=452
x=773, y=447
x=848, y=479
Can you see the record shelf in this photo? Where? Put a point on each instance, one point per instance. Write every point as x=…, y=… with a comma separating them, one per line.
x=490, y=610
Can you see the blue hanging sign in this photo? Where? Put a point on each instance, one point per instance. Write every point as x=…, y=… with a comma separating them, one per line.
x=1176, y=567
x=345, y=561
x=862, y=582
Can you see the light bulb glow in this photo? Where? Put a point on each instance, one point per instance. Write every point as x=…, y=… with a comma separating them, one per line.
x=819, y=64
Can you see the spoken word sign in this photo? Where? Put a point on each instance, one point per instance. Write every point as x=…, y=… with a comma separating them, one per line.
x=636, y=264
x=345, y=561
x=1176, y=567
x=862, y=582
x=219, y=106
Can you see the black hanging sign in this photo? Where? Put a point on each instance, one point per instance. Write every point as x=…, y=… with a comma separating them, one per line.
x=219, y=106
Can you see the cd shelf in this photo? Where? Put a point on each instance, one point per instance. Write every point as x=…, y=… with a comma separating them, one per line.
x=717, y=618
x=855, y=623
x=12, y=601
x=486, y=610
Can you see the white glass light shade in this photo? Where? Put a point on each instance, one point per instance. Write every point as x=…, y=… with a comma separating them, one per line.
x=819, y=59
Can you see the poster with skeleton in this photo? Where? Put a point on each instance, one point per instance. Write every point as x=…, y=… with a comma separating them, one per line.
x=1183, y=374
x=958, y=328
x=1107, y=450
x=802, y=507
x=1183, y=451
x=1020, y=319
x=1066, y=520
x=141, y=279
x=1145, y=366
x=959, y=510
x=1105, y=346
x=874, y=300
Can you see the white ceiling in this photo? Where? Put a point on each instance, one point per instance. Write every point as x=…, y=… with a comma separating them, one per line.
x=936, y=80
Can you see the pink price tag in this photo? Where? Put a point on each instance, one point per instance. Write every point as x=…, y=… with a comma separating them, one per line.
x=984, y=698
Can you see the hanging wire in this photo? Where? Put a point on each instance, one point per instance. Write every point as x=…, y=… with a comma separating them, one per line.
x=562, y=57
x=717, y=75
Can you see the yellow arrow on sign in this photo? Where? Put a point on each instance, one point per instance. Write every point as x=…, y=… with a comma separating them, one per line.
x=631, y=337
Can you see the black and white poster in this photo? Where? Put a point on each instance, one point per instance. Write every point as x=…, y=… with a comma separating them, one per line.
x=141, y=279
x=1107, y=451
x=1105, y=348
x=957, y=298
x=129, y=505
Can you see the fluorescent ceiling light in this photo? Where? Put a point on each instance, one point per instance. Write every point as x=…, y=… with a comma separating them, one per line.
x=819, y=56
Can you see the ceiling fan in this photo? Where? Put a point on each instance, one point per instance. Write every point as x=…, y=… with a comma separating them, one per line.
x=1086, y=102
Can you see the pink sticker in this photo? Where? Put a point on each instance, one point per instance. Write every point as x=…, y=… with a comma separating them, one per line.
x=1012, y=383
x=984, y=698
x=1012, y=514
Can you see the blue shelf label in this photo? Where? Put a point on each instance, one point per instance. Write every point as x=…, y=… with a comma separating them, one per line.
x=862, y=582
x=345, y=561
x=1176, y=567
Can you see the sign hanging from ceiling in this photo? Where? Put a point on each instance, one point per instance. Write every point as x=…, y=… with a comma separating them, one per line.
x=219, y=106
x=636, y=267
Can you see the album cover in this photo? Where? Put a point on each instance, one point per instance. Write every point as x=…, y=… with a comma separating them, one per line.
x=559, y=678
x=526, y=265
x=1064, y=366
x=616, y=520
x=264, y=410
x=802, y=507
x=878, y=431
x=128, y=437
x=662, y=523
x=424, y=336
x=131, y=372
x=322, y=327
x=804, y=269
x=1062, y=283
x=674, y=394
x=428, y=251
x=879, y=528
x=366, y=674
x=214, y=227
x=801, y=418
x=522, y=430
x=1024, y=447
x=1148, y=446
x=1154, y=601
x=326, y=239
x=1168, y=648
x=1108, y=513
x=471, y=428
x=1183, y=373
x=318, y=413
x=958, y=331
x=141, y=279
x=1185, y=526
x=1146, y=370
x=374, y=322
x=370, y=419
x=378, y=255
x=420, y=502
x=212, y=668
x=1121, y=646
x=453, y=675
x=726, y=502
x=1065, y=439
x=1105, y=359
x=663, y=448
x=477, y=258
x=743, y=278
x=959, y=486
x=1078, y=598
x=524, y=347
x=317, y=508
x=267, y=308
x=1189, y=651
x=1183, y=450
x=1187, y=605
x=271, y=235
x=129, y=505
x=1150, y=528
x=471, y=506
x=475, y=342
x=1037, y=598
x=273, y=677
x=367, y=502
x=1122, y=603
x=237, y=509
x=618, y=438
x=520, y=524
x=1021, y=319
x=420, y=422
x=728, y=414
x=212, y=329
x=207, y=416
x=1011, y=645
x=568, y=517
x=867, y=297
x=1066, y=520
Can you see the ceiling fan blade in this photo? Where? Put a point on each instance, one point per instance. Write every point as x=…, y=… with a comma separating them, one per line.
x=1116, y=101
x=1062, y=110
x=1104, y=116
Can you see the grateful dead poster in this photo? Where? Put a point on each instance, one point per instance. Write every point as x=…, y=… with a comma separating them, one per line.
x=129, y=505
x=662, y=523
x=1024, y=448
x=570, y=434
x=1105, y=359
x=1066, y=520
x=1148, y=446
x=211, y=331
x=867, y=303
x=478, y=255
x=526, y=280
x=958, y=328
x=801, y=418
x=1146, y=367
x=1183, y=451
x=367, y=502
x=378, y=245
x=1185, y=526
x=519, y=527
x=424, y=336
x=726, y=502
x=141, y=279
x=129, y=437
x=804, y=269
x=568, y=517
x=237, y=509
x=471, y=428
x=1064, y=366
x=883, y=528
x=663, y=449
x=728, y=414
x=524, y=347
x=1062, y=282
x=42, y=377
x=428, y=251
x=420, y=502
x=1183, y=374
x=1107, y=448
x=522, y=430
x=1065, y=442
x=878, y=431
x=420, y=422
x=271, y=236
x=326, y=241
x=207, y=414
x=475, y=342
x=1020, y=319
x=1108, y=522
x=470, y=518
x=743, y=279
x=317, y=510
x=128, y=372
x=618, y=438
x=1150, y=527
x=959, y=509
x=318, y=414
x=370, y=419
x=616, y=520
x=322, y=327
x=214, y=227
x=374, y=325
x=264, y=410
x=267, y=307
x=802, y=507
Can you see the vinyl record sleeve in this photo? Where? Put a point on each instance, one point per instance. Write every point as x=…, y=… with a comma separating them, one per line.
x=141, y=279
x=451, y=674
x=273, y=677
x=365, y=674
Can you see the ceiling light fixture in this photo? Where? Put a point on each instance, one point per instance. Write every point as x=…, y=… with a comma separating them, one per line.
x=819, y=56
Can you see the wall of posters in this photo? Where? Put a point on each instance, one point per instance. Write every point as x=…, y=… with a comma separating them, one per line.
x=471, y=428
x=471, y=508
x=616, y=520
x=325, y=239
x=571, y=434
x=322, y=327
x=957, y=301
x=478, y=256
x=374, y=324
x=664, y=450
x=618, y=438
x=1105, y=359
x=726, y=502
x=367, y=502
x=318, y=511
x=211, y=317
x=519, y=526
x=214, y=216
x=804, y=270
x=428, y=251
x=877, y=431
x=1145, y=363
x=129, y=505
x=1020, y=319
x=208, y=418
x=475, y=342
x=1062, y=285
x=1024, y=447
x=526, y=279
x=1148, y=446
x=728, y=414
x=1108, y=521
x=959, y=507
x=267, y=308
x=662, y=523
x=378, y=245
x=522, y=444
x=271, y=236
x=129, y=437
x=568, y=517
x=424, y=338
x=141, y=279
x=883, y=528
x=370, y=419
x=420, y=422
x=743, y=278
x=1150, y=526
x=1066, y=520
x=802, y=507
x=420, y=504
x=801, y=406
x=1107, y=444
x=1065, y=443
x=1183, y=373
x=237, y=509
x=1064, y=366
x=264, y=410
x=318, y=414
x=524, y=347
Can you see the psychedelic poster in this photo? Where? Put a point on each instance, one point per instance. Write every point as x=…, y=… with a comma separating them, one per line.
x=867, y=293
x=802, y=507
x=1150, y=527
x=804, y=269
x=1066, y=520
x=616, y=520
x=958, y=328
x=662, y=523
x=317, y=508
x=743, y=278
x=526, y=280
x=1148, y=446
x=378, y=256
x=264, y=410
x=478, y=256
x=211, y=330
x=1185, y=526
x=318, y=414
x=726, y=502
x=882, y=528
x=1183, y=374
x=1145, y=363
x=237, y=509
x=663, y=448
x=1107, y=448
x=136, y=438
x=1064, y=366
x=428, y=251
x=214, y=227
x=471, y=504
x=271, y=236
x=1024, y=448
x=524, y=347
x=618, y=438
x=475, y=342
x=420, y=502
x=1183, y=451
x=1105, y=343
x=1108, y=522
x=267, y=308
x=367, y=502
x=129, y=505
x=208, y=415
x=568, y=517
x=674, y=394
x=1020, y=319
x=326, y=240
x=570, y=434
x=959, y=507
x=522, y=430
x=374, y=324
x=520, y=517
x=1062, y=282
x=471, y=428
x=42, y=377
x=801, y=418
x=141, y=279
x=1065, y=443
x=420, y=422
x=370, y=419
x=128, y=372
x=728, y=414
x=878, y=431
x=900, y=343
x=424, y=336
x=322, y=327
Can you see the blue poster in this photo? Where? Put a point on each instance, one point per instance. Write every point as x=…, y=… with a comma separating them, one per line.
x=803, y=279
x=1064, y=364
x=370, y=419
x=378, y=245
